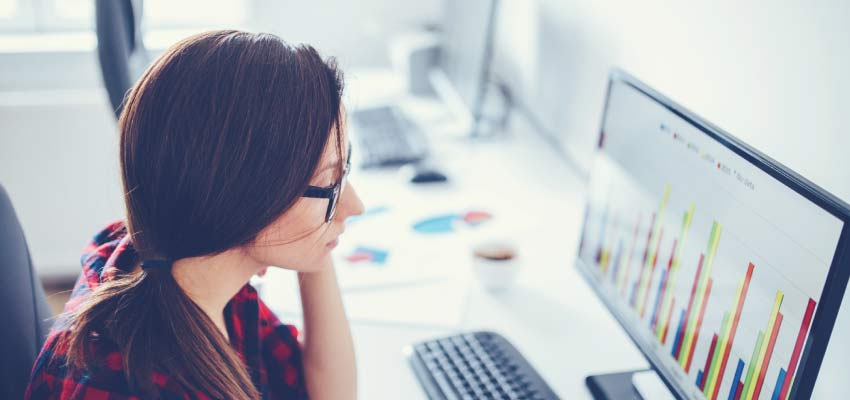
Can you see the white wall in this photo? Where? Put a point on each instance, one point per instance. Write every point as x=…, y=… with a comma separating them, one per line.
x=58, y=138
x=771, y=73
x=58, y=162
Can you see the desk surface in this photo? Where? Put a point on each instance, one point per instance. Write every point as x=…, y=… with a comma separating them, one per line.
x=551, y=315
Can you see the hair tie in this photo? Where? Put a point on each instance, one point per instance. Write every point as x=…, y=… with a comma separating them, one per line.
x=157, y=264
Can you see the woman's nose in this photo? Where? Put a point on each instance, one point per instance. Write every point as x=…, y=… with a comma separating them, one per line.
x=350, y=202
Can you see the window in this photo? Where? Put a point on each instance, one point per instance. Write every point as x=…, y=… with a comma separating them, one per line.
x=11, y=15
x=66, y=14
x=8, y=8
x=78, y=15
x=187, y=13
x=76, y=11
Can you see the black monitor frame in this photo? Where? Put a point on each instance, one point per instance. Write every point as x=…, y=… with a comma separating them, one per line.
x=837, y=277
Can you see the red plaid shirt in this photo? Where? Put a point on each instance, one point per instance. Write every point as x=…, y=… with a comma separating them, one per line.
x=269, y=348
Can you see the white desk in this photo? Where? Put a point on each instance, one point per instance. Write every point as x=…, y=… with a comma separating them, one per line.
x=552, y=316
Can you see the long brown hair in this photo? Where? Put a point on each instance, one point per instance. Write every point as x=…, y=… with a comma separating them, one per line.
x=219, y=138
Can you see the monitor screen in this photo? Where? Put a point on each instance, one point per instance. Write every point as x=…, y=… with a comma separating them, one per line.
x=721, y=264
x=462, y=67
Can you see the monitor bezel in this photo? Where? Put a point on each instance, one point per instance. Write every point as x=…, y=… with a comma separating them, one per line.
x=444, y=86
x=839, y=271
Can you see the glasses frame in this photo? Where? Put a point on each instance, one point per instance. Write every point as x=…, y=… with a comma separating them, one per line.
x=332, y=193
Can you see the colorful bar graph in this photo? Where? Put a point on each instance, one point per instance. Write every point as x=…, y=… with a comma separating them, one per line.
x=736, y=381
x=604, y=256
x=651, y=273
x=662, y=288
x=683, y=321
x=692, y=329
x=666, y=306
x=798, y=347
x=652, y=257
x=728, y=337
x=711, y=370
x=653, y=320
x=750, y=387
x=667, y=321
x=770, y=345
x=608, y=236
x=624, y=272
x=755, y=355
x=656, y=302
x=602, y=252
x=711, y=351
x=634, y=296
x=648, y=242
x=677, y=340
x=695, y=336
x=778, y=389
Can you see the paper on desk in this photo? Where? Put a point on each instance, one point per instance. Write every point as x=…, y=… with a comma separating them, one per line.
x=436, y=302
x=440, y=303
x=422, y=281
x=411, y=256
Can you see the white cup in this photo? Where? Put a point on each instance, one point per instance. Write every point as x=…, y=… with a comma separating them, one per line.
x=495, y=264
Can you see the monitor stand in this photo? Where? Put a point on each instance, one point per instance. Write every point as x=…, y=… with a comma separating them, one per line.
x=628, y=385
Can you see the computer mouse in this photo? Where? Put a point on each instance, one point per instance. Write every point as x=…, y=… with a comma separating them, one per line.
x=427, y=175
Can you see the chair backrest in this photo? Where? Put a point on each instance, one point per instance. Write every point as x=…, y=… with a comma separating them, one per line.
x=26, y=318
x=120, y=48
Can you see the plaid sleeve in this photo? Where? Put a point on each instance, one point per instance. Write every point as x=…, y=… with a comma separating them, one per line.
x=52, y=378
x=281, y=357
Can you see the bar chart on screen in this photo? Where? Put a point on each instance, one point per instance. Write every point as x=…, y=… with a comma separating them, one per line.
x=714, y=264
x=723, y=315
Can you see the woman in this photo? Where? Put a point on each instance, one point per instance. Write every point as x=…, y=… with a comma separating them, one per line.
x=234, y=157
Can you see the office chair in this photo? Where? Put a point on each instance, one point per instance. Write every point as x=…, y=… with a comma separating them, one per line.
x=26, y=315
x=120, y=48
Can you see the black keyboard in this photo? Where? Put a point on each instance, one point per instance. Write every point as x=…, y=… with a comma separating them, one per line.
x=386, y=137
x=478, y=365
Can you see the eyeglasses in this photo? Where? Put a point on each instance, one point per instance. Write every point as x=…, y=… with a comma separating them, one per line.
x=332, y=193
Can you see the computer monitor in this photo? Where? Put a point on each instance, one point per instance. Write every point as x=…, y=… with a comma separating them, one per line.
x=461, y=73
x=726, y=268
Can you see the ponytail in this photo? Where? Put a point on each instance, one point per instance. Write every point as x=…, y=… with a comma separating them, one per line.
x=157, y=328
